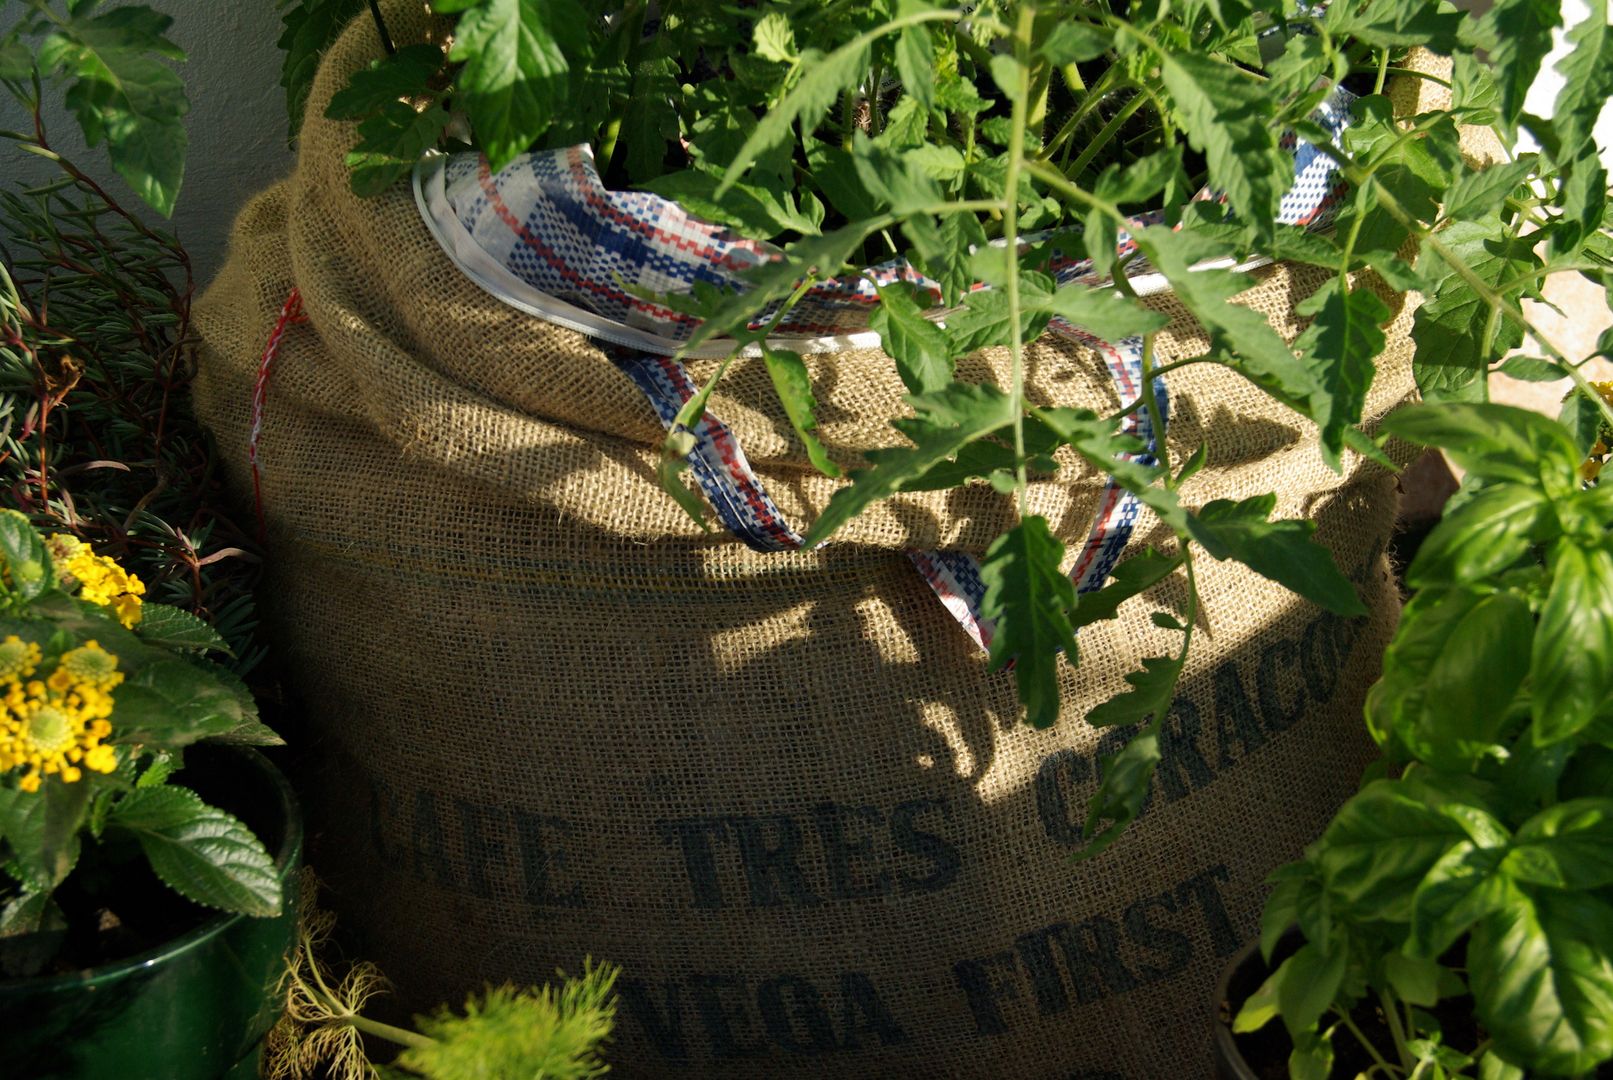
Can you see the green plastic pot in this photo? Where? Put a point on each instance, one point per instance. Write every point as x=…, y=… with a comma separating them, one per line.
x=196, y=1008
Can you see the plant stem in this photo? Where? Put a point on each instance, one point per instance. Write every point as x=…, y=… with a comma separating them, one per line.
x=1016, y=163
x=1365, y=1042
x=1106, y=133
x=401, y=1036
x=380, y=28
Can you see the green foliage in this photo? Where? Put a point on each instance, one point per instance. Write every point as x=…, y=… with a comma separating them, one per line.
x=554, y=1032
x=549, y=1032
x=103, y=692
x=1483, y=868
x=120, y=86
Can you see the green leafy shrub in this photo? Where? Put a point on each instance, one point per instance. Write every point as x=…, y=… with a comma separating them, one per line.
x=1484, y=866
x=849, y=129
x=100, y=693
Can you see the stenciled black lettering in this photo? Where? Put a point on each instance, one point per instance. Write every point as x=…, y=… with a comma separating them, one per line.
x=864, y=1014
x=664, y=1026
x=385, y=810
x=720, y=1001
x=1056, y=780
x=793, y=1013
x=429, y=847
x=1176, y=947
x=1235, y=719
x=1092, y=951
x=693, y=837
x=479, y=827
x=1179, y=751
x=1202, y=889
x=1035, y=951
x=1277, y=660
x=984, y=990
x=1317, y=661
x=943, y=857
x=773, y=870
x=841, y=851
x=542, y=840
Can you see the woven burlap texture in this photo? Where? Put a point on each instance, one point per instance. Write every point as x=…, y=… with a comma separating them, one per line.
x=779, y=790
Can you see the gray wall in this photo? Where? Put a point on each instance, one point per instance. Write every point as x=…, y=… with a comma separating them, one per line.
x=237, y=122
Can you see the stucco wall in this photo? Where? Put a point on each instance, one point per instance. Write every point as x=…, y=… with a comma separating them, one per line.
x=237, y=122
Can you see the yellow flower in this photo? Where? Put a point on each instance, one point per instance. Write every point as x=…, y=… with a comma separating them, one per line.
x=18, y=658
x=100, y=579
x=91, y=665
x=55, y=727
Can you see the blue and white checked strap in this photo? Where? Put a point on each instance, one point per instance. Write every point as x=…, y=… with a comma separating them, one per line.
x=545, y=236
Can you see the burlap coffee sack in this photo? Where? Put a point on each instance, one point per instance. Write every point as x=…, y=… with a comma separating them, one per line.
x=779, y=789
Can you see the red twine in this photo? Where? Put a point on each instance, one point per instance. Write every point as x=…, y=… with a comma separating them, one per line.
x=291, y=313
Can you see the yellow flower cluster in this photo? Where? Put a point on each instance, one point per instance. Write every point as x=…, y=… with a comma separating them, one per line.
x=101, y=580
x=55, y=726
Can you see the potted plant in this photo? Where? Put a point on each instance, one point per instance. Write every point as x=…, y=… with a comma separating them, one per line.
x=112, y=954
x=948, y=183
x=1454, y=917
x=147, y=847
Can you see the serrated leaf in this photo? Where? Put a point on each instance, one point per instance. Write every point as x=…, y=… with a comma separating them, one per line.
x=1483, y=189
x=28, y=565
x=1072, y=42
x=750, y=209
x=175, y=628
x=1572, y=669
x=41, y=829
x=1282, y=551
x=1029, y=598
x=1139, y=181
x=390, y=142
x=199, y=851
x=920, y=348
x=400, y=76
x=947, y=421
x=1104, y=313
x=1587, y=79
x=1245, y=335
x=1129, y=578
x=794, y=388
x=1343, y=342
x=823, y=77
x=915, y=64
x=1457, y=340
x=516, y=56
x=308, y=27
x=1099, y=442
x=1226, y=115
x=1541, y=972
x=1150, y=695
x=985, y=321
x=775, y=38
x=1122, y=791
x=1517, y=36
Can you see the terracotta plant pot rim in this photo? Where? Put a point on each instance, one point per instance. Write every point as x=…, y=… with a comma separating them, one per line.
x=290, y=843
x=1228, y=1055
